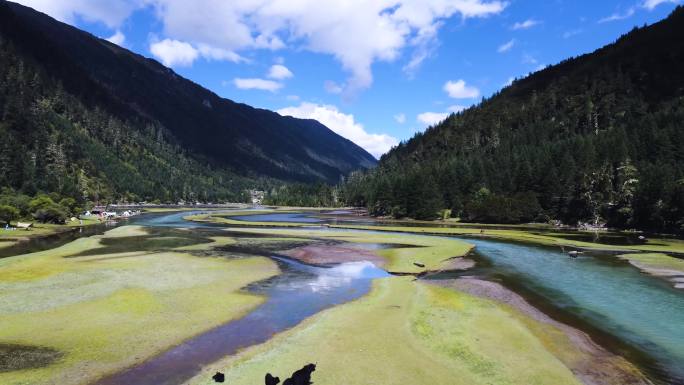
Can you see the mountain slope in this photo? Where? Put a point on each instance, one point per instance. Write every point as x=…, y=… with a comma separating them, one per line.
x=597, y=138
x=215, y=133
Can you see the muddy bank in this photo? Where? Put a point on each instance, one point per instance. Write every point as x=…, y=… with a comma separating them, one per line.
x=326, y=254
x=594, y=366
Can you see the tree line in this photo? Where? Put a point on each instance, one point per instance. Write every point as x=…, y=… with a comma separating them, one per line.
x=598, y=139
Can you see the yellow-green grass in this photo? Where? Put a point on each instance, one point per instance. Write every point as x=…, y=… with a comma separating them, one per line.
x=656, y=262
x=517, y=233
x=408, y=332
x=434, y=253
x=11, y=237
x=105, y=312
x=548, y=239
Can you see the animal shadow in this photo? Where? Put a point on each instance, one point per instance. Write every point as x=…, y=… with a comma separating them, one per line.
x=299, y=377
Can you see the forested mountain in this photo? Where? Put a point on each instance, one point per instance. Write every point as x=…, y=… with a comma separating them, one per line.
x=86, y=118
x=598, y=138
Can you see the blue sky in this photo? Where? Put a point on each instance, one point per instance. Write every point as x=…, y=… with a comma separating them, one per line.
x=375, y=71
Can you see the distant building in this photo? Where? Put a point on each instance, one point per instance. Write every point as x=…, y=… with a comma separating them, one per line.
x=257, y=196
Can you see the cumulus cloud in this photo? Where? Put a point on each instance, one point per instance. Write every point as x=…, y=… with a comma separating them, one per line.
x=111, y=13
x=400, y=118
x=279, y=72
x=650, y=4
x=460, y=90
x=456, y=108
x=357, y=33
x=212, y=53
x=117, y=38
x=344, y=125
x=432, y=118
x=506, y=46
x=527, y=24
x=257, y=84
x=174, y=53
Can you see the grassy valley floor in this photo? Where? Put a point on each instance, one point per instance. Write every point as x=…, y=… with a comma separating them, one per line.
x=98, y=304
x=412, y=332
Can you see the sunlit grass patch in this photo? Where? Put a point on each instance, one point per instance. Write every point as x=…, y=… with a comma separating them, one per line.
x=404, y=253
x=656, y=261
x=537, y=237
x=405, y=332
x=105, y=312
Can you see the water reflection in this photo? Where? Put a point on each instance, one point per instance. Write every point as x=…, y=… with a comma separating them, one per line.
x=300, y=291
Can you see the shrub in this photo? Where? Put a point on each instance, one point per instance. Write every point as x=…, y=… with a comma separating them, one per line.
x=8, y=213
x=53, y=213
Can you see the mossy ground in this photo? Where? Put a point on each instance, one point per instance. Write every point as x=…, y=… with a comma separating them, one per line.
x=536, y=234
x=536, y=237
x=656, y=261
x=11, y=237
x=107, y=308
x=408, y=332
x=433, y=253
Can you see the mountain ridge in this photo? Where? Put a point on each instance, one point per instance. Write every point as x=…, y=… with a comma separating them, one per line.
x=214, y=132
x=596, y=138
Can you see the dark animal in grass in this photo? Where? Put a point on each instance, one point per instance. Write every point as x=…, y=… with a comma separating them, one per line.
x=299, y=377
x=270, y=380
x=418, y=264
x=219, y=377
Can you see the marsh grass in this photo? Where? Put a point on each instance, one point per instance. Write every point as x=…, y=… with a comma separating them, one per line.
x=111, y=306
x=402, y=251
x=407, y=332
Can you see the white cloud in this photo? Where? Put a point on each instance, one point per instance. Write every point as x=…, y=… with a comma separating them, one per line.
x=292, y=98
x=344, y=125
x=460, y=90
x=356, y=33
x=509, y=81
x=650, y=4
x=506, y=46
x=432, y=118
x=111, y=13
x=118, y=38
x=279, y=72
x=257, y=84
x=527, y=24
x=400, y=118
x=618, y=16
x=529, y=59
x=174, y=53
x=332, y=88
x=456, y=108
x=212, y=53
